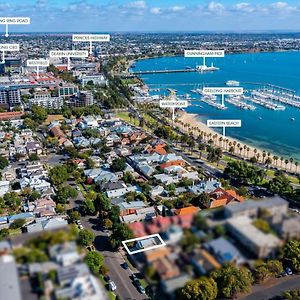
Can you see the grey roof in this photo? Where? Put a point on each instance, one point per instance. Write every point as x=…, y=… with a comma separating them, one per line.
x=65, y=248
x=69, y=273
x=107, y=186
x=252, y=204
x=9, y=281
x=171, y=285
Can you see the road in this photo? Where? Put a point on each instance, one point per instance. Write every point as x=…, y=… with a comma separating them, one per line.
x=269, y=291
x=113, y=260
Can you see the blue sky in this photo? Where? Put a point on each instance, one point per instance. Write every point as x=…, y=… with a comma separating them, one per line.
x=154, y=15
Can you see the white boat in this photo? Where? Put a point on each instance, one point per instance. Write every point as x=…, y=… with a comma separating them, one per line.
x=232, y=83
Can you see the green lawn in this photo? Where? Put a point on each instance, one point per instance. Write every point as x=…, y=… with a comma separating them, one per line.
x=15, y=231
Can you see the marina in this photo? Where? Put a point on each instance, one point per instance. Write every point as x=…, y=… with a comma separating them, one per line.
x=238, y=102
x=263, y=100
x=272, y=125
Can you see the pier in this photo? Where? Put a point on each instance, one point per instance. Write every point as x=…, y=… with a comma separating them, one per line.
x=237, y=101
x=163, y=71
x=261, y=99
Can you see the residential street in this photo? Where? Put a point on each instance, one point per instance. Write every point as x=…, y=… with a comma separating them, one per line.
x=276, y=288
x=113, y=260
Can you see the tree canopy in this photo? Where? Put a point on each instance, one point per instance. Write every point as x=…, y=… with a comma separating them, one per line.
x=201, y=289
x=231, y=280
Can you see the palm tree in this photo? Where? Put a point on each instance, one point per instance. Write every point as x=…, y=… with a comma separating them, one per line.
x=220, y=141
x=201, y=147
x=275, y=158
x=291, y=161
x=282, y=160
x=241, y=149
x=248, y=150
x=286, y=163
x=264, y=156
x=245, y=148
x=296, y=165
x=258, y=156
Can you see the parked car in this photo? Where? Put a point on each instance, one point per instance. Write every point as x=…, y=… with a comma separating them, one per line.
x=106, y=278
x=141, y=289
x=125, y=266
x=288, y=271
x=134, y=278
x=112, y=285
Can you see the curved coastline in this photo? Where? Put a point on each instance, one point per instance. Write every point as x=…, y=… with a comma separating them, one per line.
x=192, y=119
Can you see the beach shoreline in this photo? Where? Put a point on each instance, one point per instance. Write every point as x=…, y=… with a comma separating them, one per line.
x=247, y=151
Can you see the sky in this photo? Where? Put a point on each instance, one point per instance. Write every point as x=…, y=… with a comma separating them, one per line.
x=153, y=15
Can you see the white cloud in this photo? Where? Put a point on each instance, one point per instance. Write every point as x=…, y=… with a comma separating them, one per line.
x=156, y=10
x=244, y=7
x=136, y=4
x=176, y=8
x=215, y=7
x=279, y=5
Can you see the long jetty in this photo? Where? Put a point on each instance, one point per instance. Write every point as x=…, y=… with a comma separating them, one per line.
x=163, y=71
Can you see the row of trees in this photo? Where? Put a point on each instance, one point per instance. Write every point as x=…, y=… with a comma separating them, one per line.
x=235, y=147
x=247, y=174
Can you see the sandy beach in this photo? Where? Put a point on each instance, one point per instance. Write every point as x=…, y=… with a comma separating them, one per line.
x=247, y=150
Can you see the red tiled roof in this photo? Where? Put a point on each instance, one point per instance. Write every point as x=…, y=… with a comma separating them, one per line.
x=11, y=115
x=187, y=210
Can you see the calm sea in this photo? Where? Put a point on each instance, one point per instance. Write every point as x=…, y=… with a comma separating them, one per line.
x=266, y=129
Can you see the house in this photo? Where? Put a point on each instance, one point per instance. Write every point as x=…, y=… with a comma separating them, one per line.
x=177, y=162
x=190, y=210
x=44, y=223
x=224, y=251
x=262, y=245
x=289, y=227
x=3, y=220
x=145, y=169
x=27, y=216
x=37, y=184
x=108, y=186
x=69, y=272
x=157, y=147
x=276, y=206
x=100, y=175
x=34, y=147
x=82, y=288
x=65, y=254
x=222, y=197
x=121, y=191
x=166, y=179
x=156, y=191
x=131, y=207
x=204, y=262
x=172, y=235
x=4, y=187
x=205, y=186
x=166, y=268
x=44, y=207
x=147, y=213
x=10, y=284
x=170, y=286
